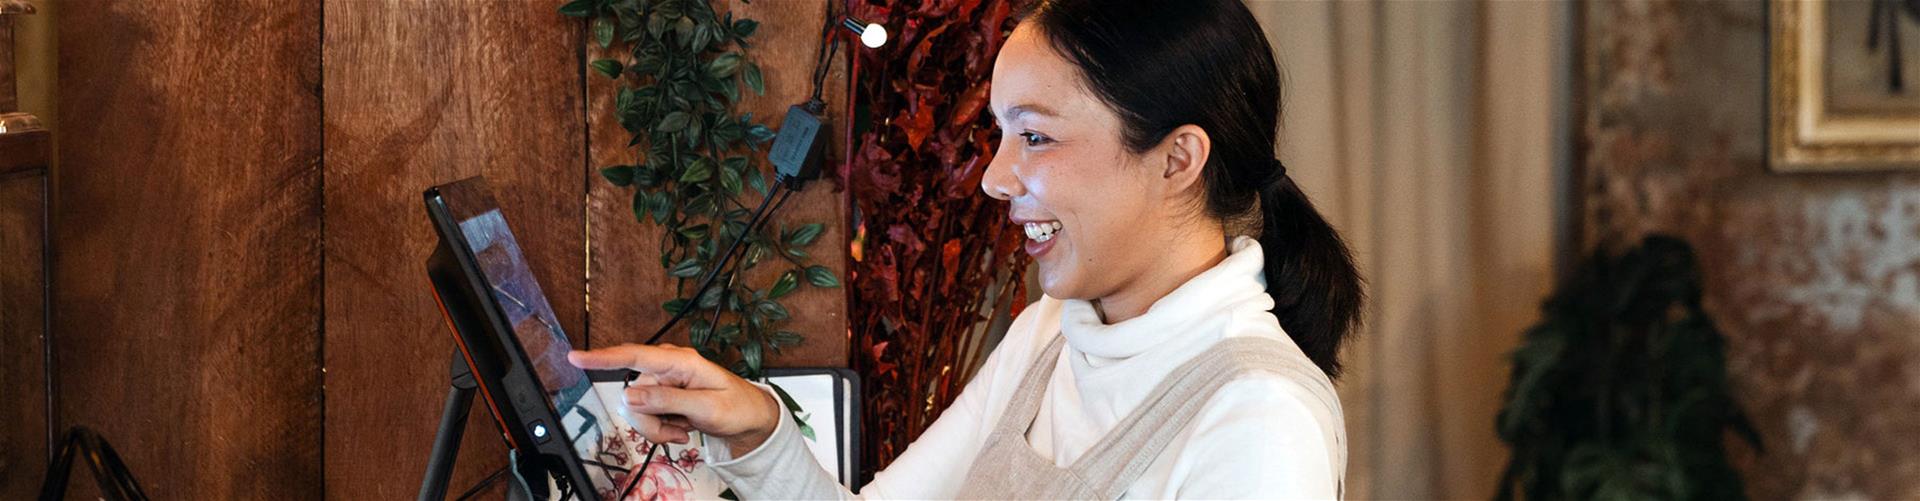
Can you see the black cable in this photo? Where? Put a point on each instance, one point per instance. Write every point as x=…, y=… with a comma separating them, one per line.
x=823, y=55
x=637, y=475
x=484, y=484
x=753, y=223
x=781, y=191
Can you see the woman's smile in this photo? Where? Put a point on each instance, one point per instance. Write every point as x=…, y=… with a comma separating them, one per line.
x=1040, y=235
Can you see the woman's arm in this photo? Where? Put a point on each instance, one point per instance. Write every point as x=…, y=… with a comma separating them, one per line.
x=930, y=468
x=755, y=446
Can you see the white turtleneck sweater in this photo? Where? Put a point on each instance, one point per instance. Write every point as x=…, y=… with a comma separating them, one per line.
x=1262, y=435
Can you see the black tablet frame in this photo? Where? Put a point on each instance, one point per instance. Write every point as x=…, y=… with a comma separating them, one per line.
x=500, y=366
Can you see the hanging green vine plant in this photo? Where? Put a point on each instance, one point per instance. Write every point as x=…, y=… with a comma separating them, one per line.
x=679, y=99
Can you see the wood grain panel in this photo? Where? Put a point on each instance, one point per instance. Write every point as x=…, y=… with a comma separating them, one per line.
x=627, y=284
x=23, y=329
x=187, y=306
x=417, y=94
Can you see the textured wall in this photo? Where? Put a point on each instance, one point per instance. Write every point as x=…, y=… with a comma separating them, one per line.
x=1815, y=279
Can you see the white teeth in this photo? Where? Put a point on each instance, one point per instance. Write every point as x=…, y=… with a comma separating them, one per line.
x=1041, y=232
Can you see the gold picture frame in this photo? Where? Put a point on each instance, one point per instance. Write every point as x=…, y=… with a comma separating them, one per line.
x=1814, y=127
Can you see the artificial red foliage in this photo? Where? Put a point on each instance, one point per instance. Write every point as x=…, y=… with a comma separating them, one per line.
x=929, y=245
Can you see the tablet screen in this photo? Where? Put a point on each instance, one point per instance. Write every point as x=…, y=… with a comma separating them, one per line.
x=605, y=445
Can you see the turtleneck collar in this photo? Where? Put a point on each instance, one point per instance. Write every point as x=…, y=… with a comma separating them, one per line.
x=1196, y=308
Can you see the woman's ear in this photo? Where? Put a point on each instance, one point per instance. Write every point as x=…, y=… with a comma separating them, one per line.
x=1186, y=150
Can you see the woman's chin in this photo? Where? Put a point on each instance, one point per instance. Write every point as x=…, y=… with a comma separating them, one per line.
x=1054, y=283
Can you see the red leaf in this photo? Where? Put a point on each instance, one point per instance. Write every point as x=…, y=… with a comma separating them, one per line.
x=950, y=259
x=969, y=106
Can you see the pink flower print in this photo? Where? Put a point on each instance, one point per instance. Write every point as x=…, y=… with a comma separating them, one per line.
x=689, y=458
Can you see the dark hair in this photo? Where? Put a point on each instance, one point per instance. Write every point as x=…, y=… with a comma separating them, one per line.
x=1162, y=64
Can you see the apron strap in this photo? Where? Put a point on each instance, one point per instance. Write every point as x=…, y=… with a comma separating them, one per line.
x=1134, y=443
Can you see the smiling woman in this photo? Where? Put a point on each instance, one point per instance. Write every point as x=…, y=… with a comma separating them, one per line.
x=1180, y=351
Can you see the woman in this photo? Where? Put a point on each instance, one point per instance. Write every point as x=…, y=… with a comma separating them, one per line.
x=1172, y=356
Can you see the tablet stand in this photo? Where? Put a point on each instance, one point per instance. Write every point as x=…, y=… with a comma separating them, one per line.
x=446, y=441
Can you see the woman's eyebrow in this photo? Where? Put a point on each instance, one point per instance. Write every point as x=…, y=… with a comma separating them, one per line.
x=1028, y=108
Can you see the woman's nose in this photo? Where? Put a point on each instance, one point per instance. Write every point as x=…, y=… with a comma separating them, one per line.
x=999, y=181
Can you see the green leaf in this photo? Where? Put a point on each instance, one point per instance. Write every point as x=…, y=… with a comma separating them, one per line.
x=699, y=332
x=702, y=37
x=603, y=31
x=793, y=406
x=702, y=204
x=673, y=122
x=820, y=276
x=662, y=205
x=578, y=8
x=646, y=177
x=657, y=24
x=608, y=67
x=730, y=181
x=688, y=268
x=619, y=175
x=758, y=181
x=793, y=409
x=785, y=284
x=724, y=66
x=695, y=232
x=753, y=355
x=701, y=170
x=711, y=298
x=805, y=234
x=683, y=33
x=754, y=80
x=744, y=28
x=693, y=134
x=673, y=307
x=623, y=101
x=772, y=311
x=642, y=205
x=760, y=133
x=670, y=9
x=806, y=430
x=729, y=333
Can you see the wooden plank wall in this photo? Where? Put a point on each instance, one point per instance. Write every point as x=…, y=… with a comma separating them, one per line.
x=186, y=228
x=23, y=308
x=418, y=94
x=239, y=302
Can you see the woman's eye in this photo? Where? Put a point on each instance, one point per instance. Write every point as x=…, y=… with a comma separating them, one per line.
x=1035, y=139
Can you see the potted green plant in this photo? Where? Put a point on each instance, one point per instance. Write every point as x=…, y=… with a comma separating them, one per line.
x=1620, y=392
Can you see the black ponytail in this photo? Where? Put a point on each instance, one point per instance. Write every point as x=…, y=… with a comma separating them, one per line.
x=1310, y=274
x=1162, y=64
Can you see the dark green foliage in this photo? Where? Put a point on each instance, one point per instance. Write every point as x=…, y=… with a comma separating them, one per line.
x=1621, y=391
x=678, y=96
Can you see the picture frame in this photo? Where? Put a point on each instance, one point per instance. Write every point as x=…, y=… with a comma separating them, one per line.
x=1832, y=106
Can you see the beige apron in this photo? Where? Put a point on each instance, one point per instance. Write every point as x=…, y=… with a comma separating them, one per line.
x=1008, y=468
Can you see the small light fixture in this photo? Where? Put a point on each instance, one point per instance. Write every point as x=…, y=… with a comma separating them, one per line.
x=871, y=35
x=539, y=431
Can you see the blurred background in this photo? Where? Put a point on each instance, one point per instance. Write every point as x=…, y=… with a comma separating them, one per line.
x=211, y=247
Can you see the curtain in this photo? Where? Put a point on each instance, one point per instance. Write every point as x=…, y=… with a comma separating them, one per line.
x=1434, y=136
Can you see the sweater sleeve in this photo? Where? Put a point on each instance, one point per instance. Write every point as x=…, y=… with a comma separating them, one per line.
x=932, y=467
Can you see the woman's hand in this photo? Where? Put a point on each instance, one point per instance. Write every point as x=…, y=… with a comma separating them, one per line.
x=679, y=391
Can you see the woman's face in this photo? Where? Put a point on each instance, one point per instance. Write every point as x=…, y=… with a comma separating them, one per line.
x=1094, y=211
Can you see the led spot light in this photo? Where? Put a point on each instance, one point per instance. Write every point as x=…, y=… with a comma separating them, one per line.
x=871, y=35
